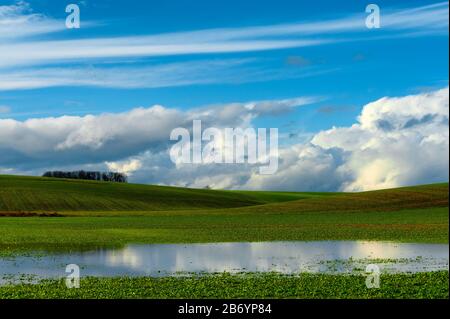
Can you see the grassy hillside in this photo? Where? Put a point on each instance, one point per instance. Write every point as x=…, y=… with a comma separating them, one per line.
x=108, y=214
x=34, y=194
x=424, y=196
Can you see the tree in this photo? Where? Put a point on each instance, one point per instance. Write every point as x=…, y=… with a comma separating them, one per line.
x=93, y=176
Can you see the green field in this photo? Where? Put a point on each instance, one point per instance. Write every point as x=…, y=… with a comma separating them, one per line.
x=23, y=195
x=411, y=214
x=20, y=195
x=225, y=286
x=40, y=215
x=75, y=233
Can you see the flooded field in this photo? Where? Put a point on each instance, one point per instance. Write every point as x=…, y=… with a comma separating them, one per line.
x=283, y=257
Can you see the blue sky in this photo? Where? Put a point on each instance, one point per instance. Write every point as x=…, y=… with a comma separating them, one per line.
x=347, y=75
x=185, y=55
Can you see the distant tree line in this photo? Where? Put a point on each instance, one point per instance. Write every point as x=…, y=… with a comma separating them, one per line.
x=92, y=176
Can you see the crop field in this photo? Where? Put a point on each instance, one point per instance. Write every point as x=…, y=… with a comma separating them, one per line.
x=306, y=286
x=412, y=214
x=27, y=195
x=42, y=215
x=73, y=233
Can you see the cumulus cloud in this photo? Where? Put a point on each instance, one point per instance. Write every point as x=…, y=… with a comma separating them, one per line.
x=113, y=137
x=396, y=141
x=305, y=167
x=128, y=167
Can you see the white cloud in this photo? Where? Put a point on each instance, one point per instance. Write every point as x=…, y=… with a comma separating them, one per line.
x=305, y=167
x=431, y=18
x=128, y=167
x=143, y=76
x=18, y=21
x=395, y=142
x=27, y=60
x=115, y=136
x=75, y=50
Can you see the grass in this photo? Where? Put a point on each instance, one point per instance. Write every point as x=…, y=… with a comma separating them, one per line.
x=75, y=233
x=21, y=194
x=411, y=214
x=32, y=195
x=42, y=215
x=420, y=285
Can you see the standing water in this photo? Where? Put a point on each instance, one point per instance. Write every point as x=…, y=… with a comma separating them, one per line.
x=284, y=257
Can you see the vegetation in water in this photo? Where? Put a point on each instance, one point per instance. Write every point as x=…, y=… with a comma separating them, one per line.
x=252, y=285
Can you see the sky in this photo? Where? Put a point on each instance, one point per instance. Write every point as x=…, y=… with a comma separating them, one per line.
x=357, y=108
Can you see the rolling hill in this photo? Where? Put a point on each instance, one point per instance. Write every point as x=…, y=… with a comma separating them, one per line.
x=100, y=214
x=37, y=194
x=19, y=194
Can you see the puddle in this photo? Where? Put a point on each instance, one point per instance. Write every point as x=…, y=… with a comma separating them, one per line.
x=283, y=257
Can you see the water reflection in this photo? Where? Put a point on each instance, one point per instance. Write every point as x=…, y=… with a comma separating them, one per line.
x=284, y=257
